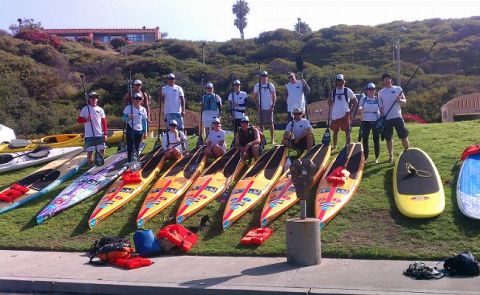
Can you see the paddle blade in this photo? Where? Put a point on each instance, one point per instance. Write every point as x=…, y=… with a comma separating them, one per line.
x=99, y=160
x=326, y=137
x=135, y=165
x=200, y=141
x=157, y=143
x=299, y=63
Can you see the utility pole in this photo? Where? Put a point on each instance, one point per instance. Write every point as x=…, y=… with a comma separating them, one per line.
x=397, y=58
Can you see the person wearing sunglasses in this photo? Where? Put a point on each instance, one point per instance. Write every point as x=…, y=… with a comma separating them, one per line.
x=174, y=142
x=136, y=118
x=370, y=113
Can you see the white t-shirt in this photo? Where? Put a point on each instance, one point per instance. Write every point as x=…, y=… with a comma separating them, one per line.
x=97, y=114
x=340, y=105
x=138, y=116
x=387, y=97
x=296, y=98
x=370, y=108
x=268, y=89
x=238, y=99
x=299, y=127
x=172, y=94
x=216, y=136
x=172, y=140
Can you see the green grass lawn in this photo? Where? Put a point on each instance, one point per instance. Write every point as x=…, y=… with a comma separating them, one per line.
x=369, y=226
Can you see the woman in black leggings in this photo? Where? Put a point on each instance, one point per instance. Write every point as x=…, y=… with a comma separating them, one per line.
x=370, y=113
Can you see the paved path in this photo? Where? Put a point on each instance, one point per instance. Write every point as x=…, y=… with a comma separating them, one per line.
x=59, y=272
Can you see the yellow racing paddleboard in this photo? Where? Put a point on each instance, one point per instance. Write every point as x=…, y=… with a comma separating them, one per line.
x=255, y=184
x=333, y=196
x=173, y=183
x=283, y=195
x=123, y=190
x=211, y=184
x=417, y=186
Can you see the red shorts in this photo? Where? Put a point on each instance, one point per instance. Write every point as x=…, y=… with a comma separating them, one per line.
x=342, y=123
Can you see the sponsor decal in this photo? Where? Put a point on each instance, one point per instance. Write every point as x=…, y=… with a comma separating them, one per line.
x=324, y=190
x=254, y=191
x=171, y=190
x=211, y=189
x=127, y=190
x=342, y=191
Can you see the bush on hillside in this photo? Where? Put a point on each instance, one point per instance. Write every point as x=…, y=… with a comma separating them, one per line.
x=118, y=42
x=49, y=56
x=85, y=40
x=39, y=37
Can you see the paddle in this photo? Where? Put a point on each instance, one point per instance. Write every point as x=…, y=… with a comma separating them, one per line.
x=380, y=123
x=135, y=164
x=232, y=93
x=99, y=160
x=326, y=135
x=158, y=142
x=301, y=68
x=122, y=145
x=5, y=158
x=200, y=133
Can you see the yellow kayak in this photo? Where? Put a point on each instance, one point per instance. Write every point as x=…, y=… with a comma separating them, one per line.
x=53, y=141
x=126, y=188
x=211, y=184
x=283, y=195
x=255, y=184
x=171, y=186
x=114, y=136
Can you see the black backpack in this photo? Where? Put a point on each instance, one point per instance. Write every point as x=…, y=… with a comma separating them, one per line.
x=108, y=249
x=463, y=264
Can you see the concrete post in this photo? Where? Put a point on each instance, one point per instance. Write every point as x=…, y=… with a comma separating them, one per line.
x=303, y=242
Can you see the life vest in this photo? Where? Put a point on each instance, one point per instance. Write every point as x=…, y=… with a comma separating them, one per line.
x=470, y=150
x=178, y=236
x=257, y=236
x=15, y=191
x=130, y=177
x=209, y=102
x=338, y=176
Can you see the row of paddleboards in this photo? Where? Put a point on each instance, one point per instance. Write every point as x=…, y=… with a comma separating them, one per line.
x=418, y=188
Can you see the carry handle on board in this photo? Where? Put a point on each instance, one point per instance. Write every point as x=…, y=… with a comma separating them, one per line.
x=5, y=158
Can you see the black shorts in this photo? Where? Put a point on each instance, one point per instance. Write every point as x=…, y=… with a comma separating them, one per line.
x=399, y=125
x=301, y=145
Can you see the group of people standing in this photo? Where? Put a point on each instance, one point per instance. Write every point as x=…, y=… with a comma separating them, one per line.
x=248, y=138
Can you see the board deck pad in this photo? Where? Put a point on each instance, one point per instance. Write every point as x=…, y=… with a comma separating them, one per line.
x=283, y=194
x=255, y=184
x=417, y=187
x=468, y=187
x=331, y=197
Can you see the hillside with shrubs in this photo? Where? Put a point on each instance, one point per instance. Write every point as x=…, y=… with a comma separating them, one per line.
x=41, y=93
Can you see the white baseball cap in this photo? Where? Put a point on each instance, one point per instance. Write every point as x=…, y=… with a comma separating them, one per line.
x=339, y=77
x=137, y=95
x=216, y=120
x=236, y=82
x=209, y=85
x=264, y=74
x=137, y=82
x=93, y=93
x=173, y=122
x=245, y=119
x=171, y=76
x=371, y=86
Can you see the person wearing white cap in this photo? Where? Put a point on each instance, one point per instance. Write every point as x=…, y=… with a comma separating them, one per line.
x=212, y=107
x=93, y=116
x=295, y=91
x=265, y=96
x=342, y=102
x=174, y=141
x=239, y=100
x=137, y=124
x=370, y=113
x=390, y=97
x=248, y=140
x=216, y=146
x=137, y=88
x=173, y=99
x=298, y=133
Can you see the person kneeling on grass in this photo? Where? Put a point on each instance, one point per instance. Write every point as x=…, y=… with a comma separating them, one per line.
x=298, y=133
x=215, y=140
x=248, y=140
x=173, y=142
x=136, y=117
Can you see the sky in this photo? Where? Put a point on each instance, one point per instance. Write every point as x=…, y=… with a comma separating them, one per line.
x=212, y=20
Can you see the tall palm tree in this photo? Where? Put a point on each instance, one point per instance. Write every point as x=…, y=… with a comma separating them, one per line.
x=240, y=9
